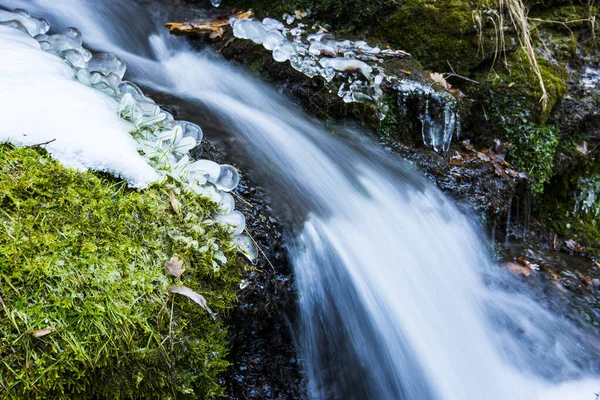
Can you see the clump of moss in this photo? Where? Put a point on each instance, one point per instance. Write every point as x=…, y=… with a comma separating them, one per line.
x=434, y=32
x=86, y=311
x=510, y=96
x=559, y=205
x=532, y=150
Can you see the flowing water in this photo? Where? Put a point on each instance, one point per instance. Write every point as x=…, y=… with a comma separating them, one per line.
x=398, y=297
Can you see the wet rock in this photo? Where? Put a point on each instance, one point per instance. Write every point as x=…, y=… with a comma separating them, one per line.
x=263, y=357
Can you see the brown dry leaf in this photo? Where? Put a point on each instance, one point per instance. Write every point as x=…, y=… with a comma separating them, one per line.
x=511, y=84
x=439, y=78
x=174, y=203
x=586, y=279
x=205, y=26
x=597, y=264
x=573, y=245
x=517, y=269
x=529, y=264
x=174, y=267
x=217, y=34
x=456, y=158
x=457, y=93
x=554, y=274
x=42, y=332
x=190, y=294
x=468, y=146
x=406, y=72
x=300, y=14
x=498, y=170
x=483, y=156
x=583, y=148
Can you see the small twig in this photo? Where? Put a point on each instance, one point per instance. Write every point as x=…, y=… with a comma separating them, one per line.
x=448, y=75
x=242, y=199
x=41, y=144
x=259, y=249
x=227, y=43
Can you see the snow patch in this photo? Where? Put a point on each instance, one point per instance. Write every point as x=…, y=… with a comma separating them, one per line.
x=41, y=102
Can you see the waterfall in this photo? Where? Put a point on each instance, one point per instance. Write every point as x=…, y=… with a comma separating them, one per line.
x=398, y=296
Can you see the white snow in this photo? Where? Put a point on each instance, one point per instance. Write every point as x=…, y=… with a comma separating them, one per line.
x=40, y=102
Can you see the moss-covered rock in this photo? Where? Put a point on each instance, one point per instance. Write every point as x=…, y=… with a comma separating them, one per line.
x=435, y=32
x=560, y=208
x=510, y=109
x=86, y=310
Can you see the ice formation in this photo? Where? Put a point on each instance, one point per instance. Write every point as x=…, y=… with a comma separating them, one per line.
x=588, y=196
x=356, y=63
x=57, y=93
x=319, y=54
x=440, y=120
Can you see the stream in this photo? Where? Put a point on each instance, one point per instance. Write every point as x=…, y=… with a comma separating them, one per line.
x=398, y=295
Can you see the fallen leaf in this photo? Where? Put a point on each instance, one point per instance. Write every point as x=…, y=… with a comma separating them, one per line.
x=216, y=34
x=41, y=333
x=205, y=26
x=483, y=156
x=586, y=279
x=190, y=294
x=573, y=245
x=554, y=274
x=498, y=170
x=439, y=78
x=174, y=203
x=174, y=267
x=529, y=264
x=517, y=269
x=583, y=148
x=300, y=14
x=511, y=84
x=597, y=264
x=406, y=72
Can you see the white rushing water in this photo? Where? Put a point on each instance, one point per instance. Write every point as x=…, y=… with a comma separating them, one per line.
x=398, y=298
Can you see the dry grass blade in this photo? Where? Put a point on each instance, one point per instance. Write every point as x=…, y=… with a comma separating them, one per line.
x=518, y=15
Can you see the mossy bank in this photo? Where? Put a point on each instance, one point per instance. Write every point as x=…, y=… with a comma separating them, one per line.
x=86, y=309
x=540, y=112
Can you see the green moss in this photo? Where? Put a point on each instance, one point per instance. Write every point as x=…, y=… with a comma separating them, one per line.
x=434, y=32
x=510, y=96
x=558, y=206
x=82, y=255
x=532, y=150
x=387, y=128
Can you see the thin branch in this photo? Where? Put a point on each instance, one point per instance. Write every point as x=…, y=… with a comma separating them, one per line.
x=41, y=144
x=242, y=199
x=259, y=249
x=454, y=74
